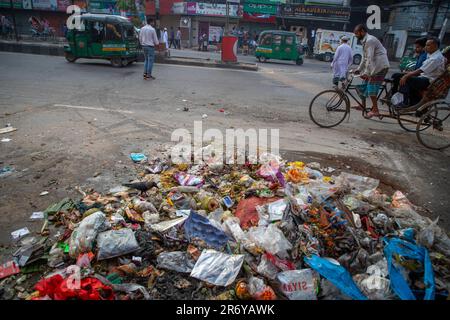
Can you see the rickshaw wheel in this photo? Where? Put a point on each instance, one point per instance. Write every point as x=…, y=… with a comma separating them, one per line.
x=262, y=59
x=299, y=62
x=70, y=57
x=116, y=62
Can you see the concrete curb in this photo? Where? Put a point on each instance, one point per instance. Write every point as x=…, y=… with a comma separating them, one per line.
x=58, y=50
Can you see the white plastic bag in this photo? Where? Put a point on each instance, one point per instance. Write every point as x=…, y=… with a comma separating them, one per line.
x=298, y=284
x=217, y=268
x=357, y=184
x=82, y=238
x=267, y=269
x=271, y=239
x=114, y=243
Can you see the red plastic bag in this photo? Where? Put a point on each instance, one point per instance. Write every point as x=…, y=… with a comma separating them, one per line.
x=58, y=288
x=246, y=210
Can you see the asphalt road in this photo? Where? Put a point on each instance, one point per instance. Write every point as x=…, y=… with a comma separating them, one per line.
x=77, y=124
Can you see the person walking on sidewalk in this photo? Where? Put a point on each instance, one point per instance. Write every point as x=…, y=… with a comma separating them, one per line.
x=172, y=38
x=178, y=38
x=343, y=59
x=373, y=68
x=165, y=38
x=148, y=40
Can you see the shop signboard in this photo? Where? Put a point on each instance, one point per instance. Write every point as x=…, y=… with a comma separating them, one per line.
x=179, y=8
x=311, y=12
x=213, y=9
x=103, y=6
x=260, y=8
x=51, y=5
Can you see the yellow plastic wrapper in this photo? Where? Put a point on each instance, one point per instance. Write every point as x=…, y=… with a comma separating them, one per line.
x=297, y=176
x=327, y=179
x=297, y=165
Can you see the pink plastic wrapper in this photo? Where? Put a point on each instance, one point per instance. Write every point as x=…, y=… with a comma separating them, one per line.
x=185, y=179
x=271, y=172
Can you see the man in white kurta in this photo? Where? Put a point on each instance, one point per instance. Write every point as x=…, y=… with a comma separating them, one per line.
x=343, y=59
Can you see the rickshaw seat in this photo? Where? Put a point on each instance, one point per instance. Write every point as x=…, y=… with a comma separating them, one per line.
x=437, y=90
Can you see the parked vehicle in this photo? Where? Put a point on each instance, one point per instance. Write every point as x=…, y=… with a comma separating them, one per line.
x=104, y=37
x=327, y=42
x=280, y=45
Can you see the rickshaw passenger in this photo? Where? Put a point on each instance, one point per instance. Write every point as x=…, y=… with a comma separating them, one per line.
x=421, y=57
x=414, y=82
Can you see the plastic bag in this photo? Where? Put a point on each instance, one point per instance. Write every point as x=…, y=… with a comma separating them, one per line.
x=426, y=236
x=232, y=227
x=82, y=238
x=271, y=172
x=185, y=179
x=409, y=250
x=197, y=226
x=407, y=217
x=217, y=268
x=266, y=268
x=336, y=274
x=271, y=239
x=321, y=191
x=357, y=184
x=177, y=261
x=259, y=290
x=114, y=243
x=374, y=283
x=276, y=210
x=298, y=284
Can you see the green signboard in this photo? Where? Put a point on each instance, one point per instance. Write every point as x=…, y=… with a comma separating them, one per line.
x=260, y=8
x=273, y=2
x=5, y=4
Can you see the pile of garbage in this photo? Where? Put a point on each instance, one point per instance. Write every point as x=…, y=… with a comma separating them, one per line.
x=275, y=230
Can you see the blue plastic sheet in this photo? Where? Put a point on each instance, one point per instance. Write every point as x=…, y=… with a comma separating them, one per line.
x=138, y=157
x=337, y=275
x=409, y=250
x=197, y=226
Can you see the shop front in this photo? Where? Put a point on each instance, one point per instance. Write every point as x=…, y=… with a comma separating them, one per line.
x=305, y=19
x=37, y=16
x=260, y=15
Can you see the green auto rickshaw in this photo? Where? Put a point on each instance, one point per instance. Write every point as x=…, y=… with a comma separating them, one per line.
x=280, y=45
x=103, y=37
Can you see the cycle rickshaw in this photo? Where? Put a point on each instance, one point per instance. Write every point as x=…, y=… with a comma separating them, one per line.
x=429, y=119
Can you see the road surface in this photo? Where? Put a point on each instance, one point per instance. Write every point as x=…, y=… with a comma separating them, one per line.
x=77, y=124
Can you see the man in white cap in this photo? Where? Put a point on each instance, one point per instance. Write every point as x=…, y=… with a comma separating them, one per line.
x=343, y=59
x=165, y=38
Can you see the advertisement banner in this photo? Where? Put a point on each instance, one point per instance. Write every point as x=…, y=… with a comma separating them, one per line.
x=5, y=4
x=103, y=6
x=273, y=2
x=179, y=8
x=17, y=4
x=51, y=5
x=260, y=8
x=63, y=4
x=260, y=18
x=302, y=11
x=213, y=9
x=215, y=33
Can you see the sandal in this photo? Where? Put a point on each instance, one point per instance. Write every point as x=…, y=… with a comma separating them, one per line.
x=372, y=114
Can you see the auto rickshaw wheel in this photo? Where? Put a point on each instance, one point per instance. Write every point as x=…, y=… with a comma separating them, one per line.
x=262, y=59
x=299, y=61
x=70, y=57
x=116, y=62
